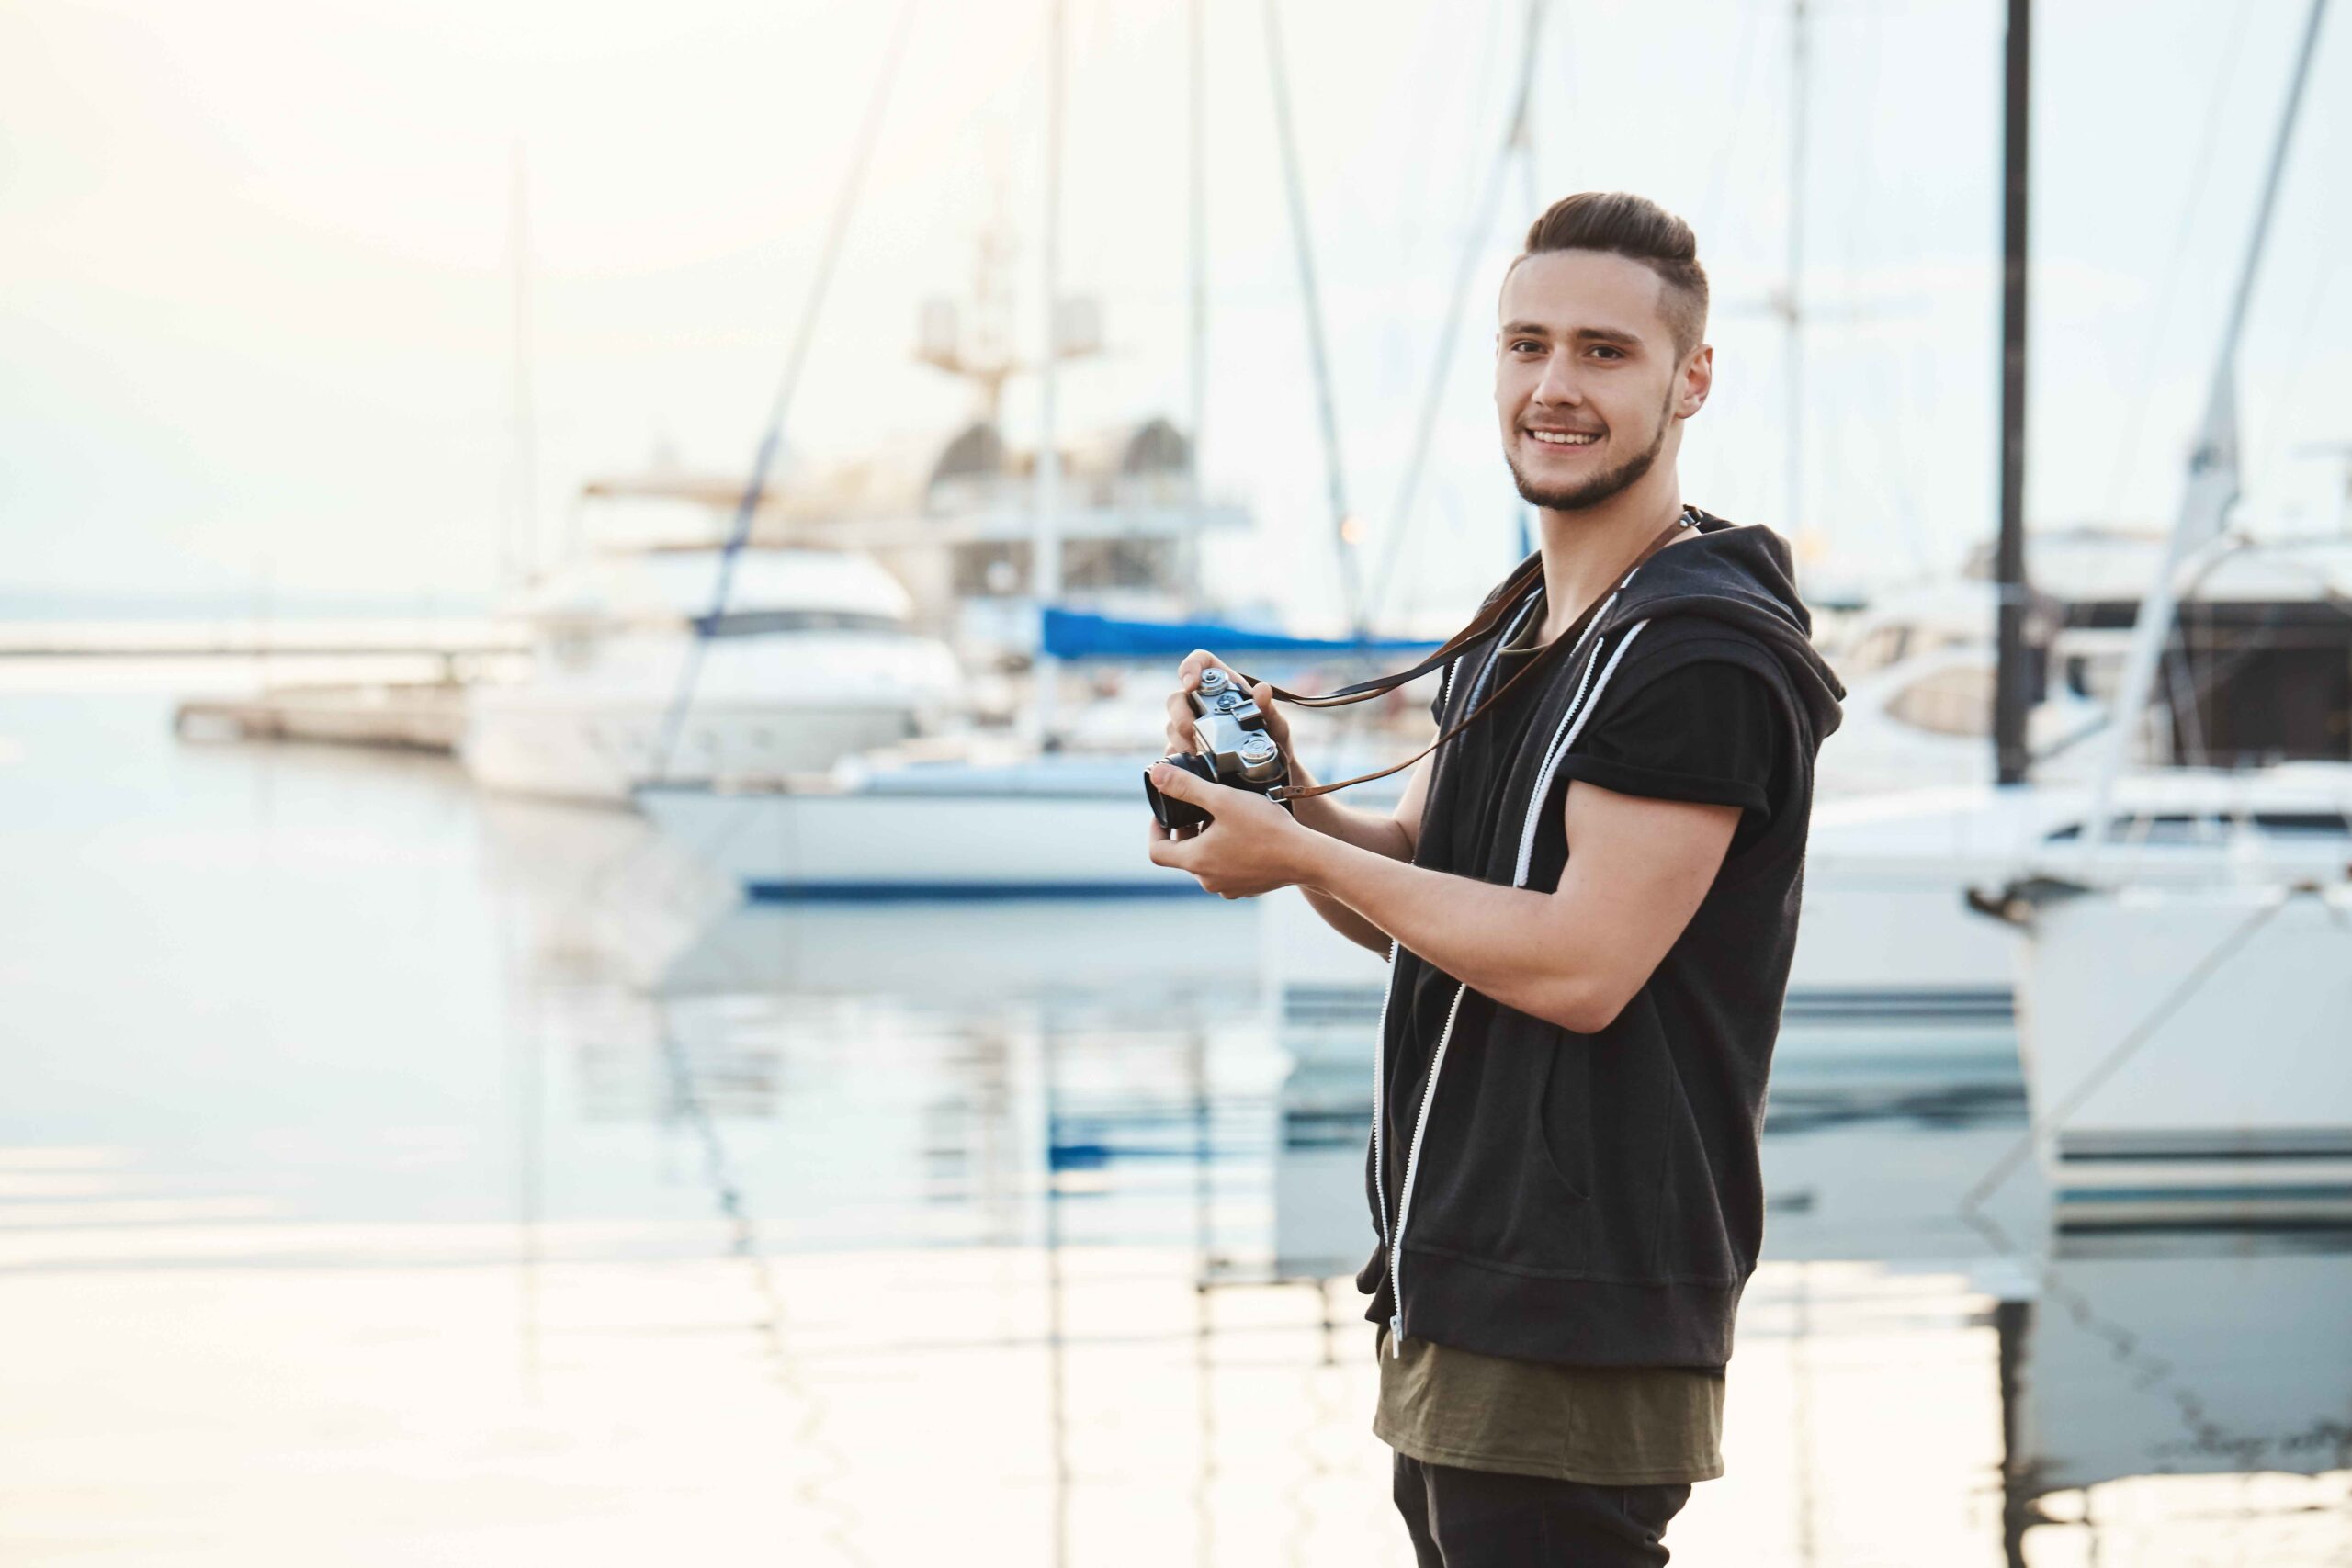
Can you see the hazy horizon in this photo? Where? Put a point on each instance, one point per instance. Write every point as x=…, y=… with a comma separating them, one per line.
x=256, y=304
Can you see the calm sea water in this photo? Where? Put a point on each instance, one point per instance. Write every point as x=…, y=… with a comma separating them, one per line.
x=389, y=1176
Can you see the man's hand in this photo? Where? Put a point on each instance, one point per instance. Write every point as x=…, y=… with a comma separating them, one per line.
x=1188, y=681
x=1251, y=846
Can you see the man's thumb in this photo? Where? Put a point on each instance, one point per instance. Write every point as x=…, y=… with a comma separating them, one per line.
x=1170, y=779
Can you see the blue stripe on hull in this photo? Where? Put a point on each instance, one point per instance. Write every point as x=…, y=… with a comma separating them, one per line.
x=1898, y=1004
x=965, y=892
x=2256, y=1194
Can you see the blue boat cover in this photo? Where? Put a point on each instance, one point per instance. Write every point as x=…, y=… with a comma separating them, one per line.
x=1072, y=633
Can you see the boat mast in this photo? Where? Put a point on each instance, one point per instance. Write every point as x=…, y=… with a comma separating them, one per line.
x=1518, y=144
x=1345, y=529
x=2212, y=486
x=1195, y=495
x=772, y=436
x=2010, y=694
x=1046, y=550
x=1792, y=300
x=518, y=555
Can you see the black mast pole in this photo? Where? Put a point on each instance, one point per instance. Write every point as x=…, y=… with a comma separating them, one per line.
x=2011, y=695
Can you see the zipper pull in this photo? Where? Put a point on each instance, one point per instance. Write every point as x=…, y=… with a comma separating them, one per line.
x=1395, y=1336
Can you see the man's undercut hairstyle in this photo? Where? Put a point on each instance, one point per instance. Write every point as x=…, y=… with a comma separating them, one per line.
x=1637, y=228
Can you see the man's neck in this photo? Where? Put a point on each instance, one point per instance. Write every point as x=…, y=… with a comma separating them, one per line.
x=1585, y=552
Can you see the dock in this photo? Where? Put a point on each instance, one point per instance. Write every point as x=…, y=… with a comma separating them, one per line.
x=423, y=716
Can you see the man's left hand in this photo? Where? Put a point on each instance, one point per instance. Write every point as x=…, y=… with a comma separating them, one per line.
x=1250, y=848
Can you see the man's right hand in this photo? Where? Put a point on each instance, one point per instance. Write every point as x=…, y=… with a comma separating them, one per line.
x=1180, y=707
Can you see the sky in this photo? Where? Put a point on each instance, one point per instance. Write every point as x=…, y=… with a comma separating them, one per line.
x=257, y=268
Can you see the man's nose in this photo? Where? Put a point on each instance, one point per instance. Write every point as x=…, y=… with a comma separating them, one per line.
x=1558, y=382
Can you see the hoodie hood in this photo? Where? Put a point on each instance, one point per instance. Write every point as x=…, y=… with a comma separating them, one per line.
x=1743, y=575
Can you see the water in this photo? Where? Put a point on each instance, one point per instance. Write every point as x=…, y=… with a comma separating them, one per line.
x=386, y=1176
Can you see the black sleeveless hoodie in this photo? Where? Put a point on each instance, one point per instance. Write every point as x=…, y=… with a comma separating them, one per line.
x=1595, y=1199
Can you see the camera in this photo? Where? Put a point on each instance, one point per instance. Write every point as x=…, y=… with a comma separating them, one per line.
x=1230, y=747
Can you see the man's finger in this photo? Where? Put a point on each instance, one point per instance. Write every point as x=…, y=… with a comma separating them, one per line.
x=1182, y=784
x=1165, y=850
x=1277, y=722
x=1180, y=723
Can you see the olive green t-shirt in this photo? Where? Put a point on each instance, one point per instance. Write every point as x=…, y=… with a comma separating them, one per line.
x=1602, y=1425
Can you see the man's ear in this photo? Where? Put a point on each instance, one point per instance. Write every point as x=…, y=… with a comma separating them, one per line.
x=1697, y=380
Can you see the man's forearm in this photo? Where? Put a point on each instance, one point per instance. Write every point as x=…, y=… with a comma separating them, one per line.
x=1505, y=943
x=1381, y=834
x=1374, y=830
x=1347, y=922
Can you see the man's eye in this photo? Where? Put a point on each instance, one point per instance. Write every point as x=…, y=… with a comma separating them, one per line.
x=1525, y=343
x=1611, y=353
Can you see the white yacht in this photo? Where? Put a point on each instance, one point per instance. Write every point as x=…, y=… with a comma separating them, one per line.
x=632, y=678
x=1918, y=662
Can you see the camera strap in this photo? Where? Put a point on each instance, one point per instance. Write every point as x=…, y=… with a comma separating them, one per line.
x=1489, y=622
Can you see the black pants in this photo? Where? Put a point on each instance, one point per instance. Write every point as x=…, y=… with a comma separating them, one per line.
x=1475, y=1518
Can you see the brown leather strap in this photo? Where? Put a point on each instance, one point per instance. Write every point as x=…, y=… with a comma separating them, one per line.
x=1488, y=621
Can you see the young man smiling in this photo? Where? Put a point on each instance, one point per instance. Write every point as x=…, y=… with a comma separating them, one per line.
x=1589, y=899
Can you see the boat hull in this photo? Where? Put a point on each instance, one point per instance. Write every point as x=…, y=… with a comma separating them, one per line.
x=600, y=754
x=2188, y=1054
x=1034, y=835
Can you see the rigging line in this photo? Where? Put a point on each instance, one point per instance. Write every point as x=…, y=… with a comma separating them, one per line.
x=1474, y=247
x=1712, y=205
x=2214, y=464
x=2244, y=297
x=2127, y=452
x=845, y=204
x=1480, y=71
x=1303, y=246
x=2323, y=277
x=1905, y=492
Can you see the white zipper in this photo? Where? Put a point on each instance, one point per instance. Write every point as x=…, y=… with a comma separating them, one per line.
x=1571, y=726
x=1412, y=1168
x=1380, y=1093
x=1580, y=706
x=1380, y=1040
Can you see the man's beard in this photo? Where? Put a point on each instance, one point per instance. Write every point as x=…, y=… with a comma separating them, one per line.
x=1592, y=492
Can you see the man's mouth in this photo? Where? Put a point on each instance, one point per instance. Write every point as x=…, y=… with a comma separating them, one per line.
x=1564, y=437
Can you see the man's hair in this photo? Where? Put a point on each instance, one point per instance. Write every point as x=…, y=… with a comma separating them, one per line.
x=1637, y=228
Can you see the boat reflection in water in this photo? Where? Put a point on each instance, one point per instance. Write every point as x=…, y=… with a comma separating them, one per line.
x=1903, y=1222
x=2220, y=1355
x=499, y=1141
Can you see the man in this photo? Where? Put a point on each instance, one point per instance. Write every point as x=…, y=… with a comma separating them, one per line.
x=1591, y=894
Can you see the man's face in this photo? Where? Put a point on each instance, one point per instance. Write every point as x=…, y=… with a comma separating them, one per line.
x=1588, y=381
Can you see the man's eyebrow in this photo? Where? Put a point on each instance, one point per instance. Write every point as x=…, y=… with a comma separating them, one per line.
x=1581, y=335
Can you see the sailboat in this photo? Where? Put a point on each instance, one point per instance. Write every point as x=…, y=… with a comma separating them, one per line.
x=1057, y=808
x=2184, y=1034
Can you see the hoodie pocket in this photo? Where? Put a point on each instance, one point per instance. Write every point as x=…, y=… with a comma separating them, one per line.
x=1487, y=1189
x=1604, y=1099
x=1561, y=1113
